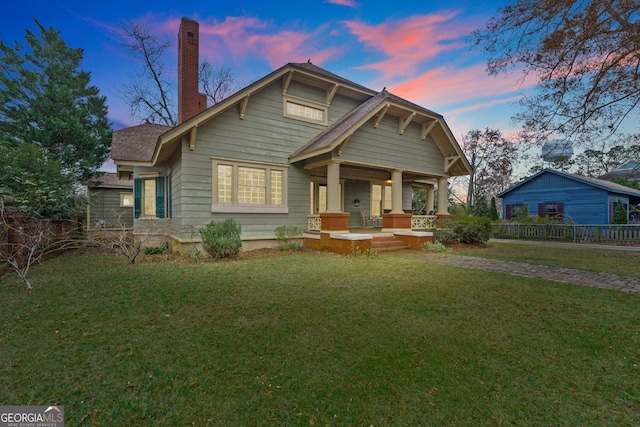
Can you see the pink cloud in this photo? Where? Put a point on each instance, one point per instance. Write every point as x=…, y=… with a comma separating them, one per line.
x=410, y=42
x=444, y=86
x=348, y=3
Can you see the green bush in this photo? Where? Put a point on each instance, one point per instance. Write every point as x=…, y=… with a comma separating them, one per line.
x=289, y=237
x=472, y=229
x=435, y=246
x=157, y=250
x=221, y=239
x=463, y=229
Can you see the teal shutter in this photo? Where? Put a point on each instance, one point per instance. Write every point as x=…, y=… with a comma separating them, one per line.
x=160, y=197
x=137, y=197
x=169, y=197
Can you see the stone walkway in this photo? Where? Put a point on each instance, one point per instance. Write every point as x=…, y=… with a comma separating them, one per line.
x=558, y=274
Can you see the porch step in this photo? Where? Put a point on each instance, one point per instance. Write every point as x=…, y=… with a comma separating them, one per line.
x=387, y=243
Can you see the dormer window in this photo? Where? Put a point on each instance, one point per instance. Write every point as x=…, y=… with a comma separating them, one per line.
x=308, y=111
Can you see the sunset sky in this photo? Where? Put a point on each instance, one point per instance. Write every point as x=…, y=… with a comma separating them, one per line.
x=417, y=49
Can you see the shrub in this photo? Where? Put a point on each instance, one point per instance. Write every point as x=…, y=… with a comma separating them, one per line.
x=472, y=229
x=221, y=239
x=157, y=250
x=288, y=237
x=435, y=246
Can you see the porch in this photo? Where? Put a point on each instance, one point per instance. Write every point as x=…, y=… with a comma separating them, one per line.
x=363, y=239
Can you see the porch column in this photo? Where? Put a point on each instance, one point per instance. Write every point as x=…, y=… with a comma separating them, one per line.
x=430, y=193
x=333, y=187
x=396, y=192
x=443, y=196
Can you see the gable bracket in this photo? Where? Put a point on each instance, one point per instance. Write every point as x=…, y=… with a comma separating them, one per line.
x=286, y=82
x=192, y=140
x=331, y=91
x=427, y=128
x=343, y=144
x=450, y=161
x=378, y=117
x=403, y=123
x=243, y=106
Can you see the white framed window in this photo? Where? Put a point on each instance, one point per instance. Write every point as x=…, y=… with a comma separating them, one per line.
x=308, y=111
x=248, y=187
x=149, y=196
x=126, y=200
x=380, y=199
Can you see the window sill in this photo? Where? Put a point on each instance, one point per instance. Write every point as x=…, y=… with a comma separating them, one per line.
x=249, y=209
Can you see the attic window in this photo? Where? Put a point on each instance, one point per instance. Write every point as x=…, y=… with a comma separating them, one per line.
x=308, y=111
x=190, y=38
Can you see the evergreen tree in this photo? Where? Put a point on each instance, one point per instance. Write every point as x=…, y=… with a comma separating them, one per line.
x=619, y=213
x=493, y=210
x=45, y=99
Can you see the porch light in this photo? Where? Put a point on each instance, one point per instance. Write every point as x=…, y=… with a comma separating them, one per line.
x=388, y=181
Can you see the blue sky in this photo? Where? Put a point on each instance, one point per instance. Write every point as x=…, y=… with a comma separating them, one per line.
x=416, y=49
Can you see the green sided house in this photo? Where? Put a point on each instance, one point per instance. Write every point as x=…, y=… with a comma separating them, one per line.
x=110, y=203
x=301, y=147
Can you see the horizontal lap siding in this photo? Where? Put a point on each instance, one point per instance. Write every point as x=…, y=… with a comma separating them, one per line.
x=263, y=136
x=105, y=205
x=583, y=203
x=385, y=146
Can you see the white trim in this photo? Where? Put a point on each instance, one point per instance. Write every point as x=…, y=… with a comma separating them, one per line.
x=305, y=103
x=249, y=209
x=351, y=236
x=234, y=206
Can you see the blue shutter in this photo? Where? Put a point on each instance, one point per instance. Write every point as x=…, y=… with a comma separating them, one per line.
x=160, y=197
x=137, y=197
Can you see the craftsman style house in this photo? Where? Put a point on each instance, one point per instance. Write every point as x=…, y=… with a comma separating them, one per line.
x=301, y=146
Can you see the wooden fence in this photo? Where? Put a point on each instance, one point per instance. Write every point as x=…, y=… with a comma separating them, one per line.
x=593, y=233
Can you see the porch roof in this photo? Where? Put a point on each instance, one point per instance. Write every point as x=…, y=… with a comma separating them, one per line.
x=383, y=103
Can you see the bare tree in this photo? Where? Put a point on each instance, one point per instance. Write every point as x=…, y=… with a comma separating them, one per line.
x=121, y=240
x=584, y=55
x=149, y=94
x=24, y=244
x=217, y=83
x=492, y=157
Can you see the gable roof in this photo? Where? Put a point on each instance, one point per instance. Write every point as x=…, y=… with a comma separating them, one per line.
x=109, y=180
x=594, y=182
x=136, y=143
x=372, y=102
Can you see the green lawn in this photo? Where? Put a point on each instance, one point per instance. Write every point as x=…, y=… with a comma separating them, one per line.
x=316, y=339
x=613, y=260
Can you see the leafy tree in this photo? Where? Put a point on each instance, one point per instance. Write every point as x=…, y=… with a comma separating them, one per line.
x=583, y=55
x=619, y=213
x=150, y=94
x=480, y=206
x=627, y=182
x=45, y=99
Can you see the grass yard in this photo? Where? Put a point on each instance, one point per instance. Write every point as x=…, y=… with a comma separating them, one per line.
x=614, y=261
x=316, y=339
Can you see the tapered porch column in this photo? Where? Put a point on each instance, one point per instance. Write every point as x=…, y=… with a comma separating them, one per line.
x=333, y=187
x=333, y=219
x=443, y=196
x=430, y=205
x=396, y=220
x=396, y=192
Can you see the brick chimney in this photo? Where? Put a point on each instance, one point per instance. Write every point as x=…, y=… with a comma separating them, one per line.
x=190, y=101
